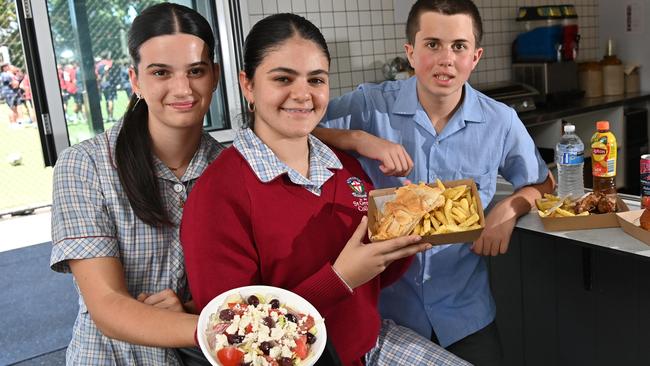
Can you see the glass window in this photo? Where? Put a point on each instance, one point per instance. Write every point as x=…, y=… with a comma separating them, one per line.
x=90, y=45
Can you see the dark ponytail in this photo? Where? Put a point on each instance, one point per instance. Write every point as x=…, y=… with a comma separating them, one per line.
x=133, y=150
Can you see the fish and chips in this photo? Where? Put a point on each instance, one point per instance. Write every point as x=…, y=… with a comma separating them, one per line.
x=428, y=210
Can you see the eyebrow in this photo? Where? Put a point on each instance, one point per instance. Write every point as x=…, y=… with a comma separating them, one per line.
x=294, y=72
x=165, y=66
x=438, y=39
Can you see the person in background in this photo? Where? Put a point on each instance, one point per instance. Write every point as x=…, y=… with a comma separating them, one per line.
x=27, y=97
x=107, y=82
x=450, y=131
x=124, y=78
x=65, y=96
x=118, y=200
x=281, y=208
x=70, y=85
x=79, y=108
x=11, y=92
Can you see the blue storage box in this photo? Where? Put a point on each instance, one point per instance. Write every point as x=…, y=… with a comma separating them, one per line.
x=539, y=44
x=542, y=34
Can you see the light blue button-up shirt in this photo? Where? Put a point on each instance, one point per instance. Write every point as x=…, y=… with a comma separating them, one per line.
x=446, y=288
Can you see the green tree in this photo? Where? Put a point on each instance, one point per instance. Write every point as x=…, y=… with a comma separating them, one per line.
x=10, y=32
x=108, y=21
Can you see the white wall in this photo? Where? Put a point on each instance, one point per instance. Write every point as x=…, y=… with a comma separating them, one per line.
x=364, y=34
x=630, y=46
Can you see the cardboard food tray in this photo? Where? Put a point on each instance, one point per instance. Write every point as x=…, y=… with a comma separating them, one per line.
x=377, y=198
x=592, y=221
x=630, y=224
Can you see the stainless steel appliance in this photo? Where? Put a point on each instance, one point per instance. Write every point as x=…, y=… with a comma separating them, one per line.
x=520, y=97
x=556, y=82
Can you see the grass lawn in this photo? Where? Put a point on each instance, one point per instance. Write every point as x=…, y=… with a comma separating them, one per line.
x=30, y=183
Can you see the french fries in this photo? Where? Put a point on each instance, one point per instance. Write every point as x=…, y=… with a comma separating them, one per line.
x=459, y=213
x=554, y=206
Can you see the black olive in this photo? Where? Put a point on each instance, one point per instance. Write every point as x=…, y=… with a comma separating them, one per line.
x=285, y=361
x=226, y=314
x=265, y=347
x=253, y=300
x=268, y=321
x=310, y=338
x=275, y=304
x=234, y=338
x=292, y=318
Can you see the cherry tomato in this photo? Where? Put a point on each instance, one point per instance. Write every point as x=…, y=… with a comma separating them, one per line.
x=230, y=356
x=301, y=349
x=238, y=308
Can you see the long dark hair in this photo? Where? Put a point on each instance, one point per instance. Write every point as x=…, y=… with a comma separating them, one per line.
x=270, y=33
x=133, y=151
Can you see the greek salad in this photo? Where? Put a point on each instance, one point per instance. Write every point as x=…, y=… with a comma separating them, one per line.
x=256, y=332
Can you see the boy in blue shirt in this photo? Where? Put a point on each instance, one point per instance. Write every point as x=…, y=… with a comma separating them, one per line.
x=450, y=131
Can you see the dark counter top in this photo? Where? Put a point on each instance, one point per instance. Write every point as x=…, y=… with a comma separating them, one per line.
x=610, y=239
x=546, y=114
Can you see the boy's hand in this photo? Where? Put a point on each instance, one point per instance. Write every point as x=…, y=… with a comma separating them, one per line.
x=394, y=159
x=495, y=238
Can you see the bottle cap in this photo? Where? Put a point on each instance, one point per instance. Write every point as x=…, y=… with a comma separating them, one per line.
x=602, y=125
x=569, y=128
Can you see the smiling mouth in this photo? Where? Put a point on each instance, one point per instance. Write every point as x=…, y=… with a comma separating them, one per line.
x=298, y=110
x=182, y=105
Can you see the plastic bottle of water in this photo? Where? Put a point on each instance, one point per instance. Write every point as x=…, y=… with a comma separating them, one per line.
x=569, y=156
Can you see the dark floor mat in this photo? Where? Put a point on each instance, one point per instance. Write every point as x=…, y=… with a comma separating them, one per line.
x=56, y=358
x=38, y=305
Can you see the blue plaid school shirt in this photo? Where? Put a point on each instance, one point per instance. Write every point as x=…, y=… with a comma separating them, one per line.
x=92, y=217
x=266, y=165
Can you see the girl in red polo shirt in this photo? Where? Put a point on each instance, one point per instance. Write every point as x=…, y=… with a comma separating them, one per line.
x=280, y=208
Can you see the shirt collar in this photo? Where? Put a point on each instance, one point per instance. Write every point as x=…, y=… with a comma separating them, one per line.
x=266, y=165
x=407, y=99
x=208, y=150
x=470, y=110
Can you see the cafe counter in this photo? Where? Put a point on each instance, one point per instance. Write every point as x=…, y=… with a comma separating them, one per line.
x=574, y=297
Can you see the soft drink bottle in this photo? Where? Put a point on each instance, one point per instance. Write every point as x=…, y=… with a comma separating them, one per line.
x=603, y=159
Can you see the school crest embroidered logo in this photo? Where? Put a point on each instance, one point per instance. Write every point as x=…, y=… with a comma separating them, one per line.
x=357, y=187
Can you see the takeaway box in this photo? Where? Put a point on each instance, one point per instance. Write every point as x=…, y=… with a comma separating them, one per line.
x=377, y=198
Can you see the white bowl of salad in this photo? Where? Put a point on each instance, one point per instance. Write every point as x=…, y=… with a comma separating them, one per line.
x=260, y=326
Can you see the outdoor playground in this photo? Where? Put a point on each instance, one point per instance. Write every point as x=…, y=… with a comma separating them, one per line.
x=25, y=181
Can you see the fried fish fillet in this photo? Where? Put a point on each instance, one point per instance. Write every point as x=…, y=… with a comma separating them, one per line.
x=411, y=202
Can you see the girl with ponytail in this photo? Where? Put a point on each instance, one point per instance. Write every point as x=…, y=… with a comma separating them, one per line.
x=118, y=199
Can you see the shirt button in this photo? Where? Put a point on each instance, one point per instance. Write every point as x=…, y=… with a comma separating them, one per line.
x=178, y=188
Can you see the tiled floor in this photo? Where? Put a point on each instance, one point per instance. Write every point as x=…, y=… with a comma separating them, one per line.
x=21, y=231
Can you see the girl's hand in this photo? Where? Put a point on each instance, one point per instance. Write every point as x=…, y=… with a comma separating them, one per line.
x=165, y=299
x=358, y=262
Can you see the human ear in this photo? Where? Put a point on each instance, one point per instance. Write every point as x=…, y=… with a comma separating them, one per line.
x=408, y=49
x=133, y=79
x=246, y=86
x=477, y=56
